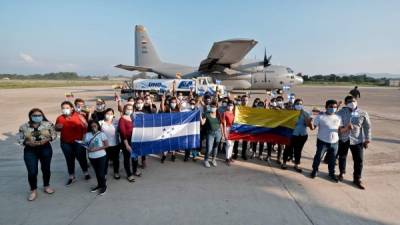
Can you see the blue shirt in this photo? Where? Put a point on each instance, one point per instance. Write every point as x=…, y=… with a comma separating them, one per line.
x=301, y=126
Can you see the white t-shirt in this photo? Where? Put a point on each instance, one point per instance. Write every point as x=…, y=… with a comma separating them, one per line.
x=111, y=131
x=328, y=127
x=95, y=142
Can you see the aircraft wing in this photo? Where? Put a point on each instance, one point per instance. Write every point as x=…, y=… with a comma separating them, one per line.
x=135, y=68
x=225, y=53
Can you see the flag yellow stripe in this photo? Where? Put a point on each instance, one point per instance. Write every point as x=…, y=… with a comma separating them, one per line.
x=266, y=117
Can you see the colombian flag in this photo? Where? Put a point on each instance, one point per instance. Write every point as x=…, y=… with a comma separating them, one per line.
x=266, y=125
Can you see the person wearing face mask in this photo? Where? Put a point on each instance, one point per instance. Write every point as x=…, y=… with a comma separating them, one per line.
x=130, y=101
x=35, y=136
x=144, y=107
x=257, y=104
x=191, y=106
x=109, y=126
x=299, y=137
x=244, y=103
x=184, y=106
x=212, y=128
x=276, y=104
x=173, y=106
x=180, y=97
x=357, y=138
x=279, y=102
x=329, y=125
x=227, y=122
x=98, y=113
x=72, y=127
x=96, y=142
x=290, y=103
x=81, y=108
x=125, y=126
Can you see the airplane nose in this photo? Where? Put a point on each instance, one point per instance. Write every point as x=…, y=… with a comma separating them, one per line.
x=299, y=80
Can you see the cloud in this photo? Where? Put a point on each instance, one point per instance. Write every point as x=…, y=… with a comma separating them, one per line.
x=27, y=58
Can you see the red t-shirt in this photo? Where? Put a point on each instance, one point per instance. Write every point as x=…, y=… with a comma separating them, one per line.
x=73, y=128
x=125, y=129
x=228, y=117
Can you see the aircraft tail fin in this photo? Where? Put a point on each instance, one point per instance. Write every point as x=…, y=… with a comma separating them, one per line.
x=145, y=53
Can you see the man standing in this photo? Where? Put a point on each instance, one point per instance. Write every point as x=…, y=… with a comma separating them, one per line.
x=355, y=93
x=356, y=139
x=329, y=125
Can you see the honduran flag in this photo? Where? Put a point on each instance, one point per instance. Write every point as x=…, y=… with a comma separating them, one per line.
x=160, y=132
x=266, y=125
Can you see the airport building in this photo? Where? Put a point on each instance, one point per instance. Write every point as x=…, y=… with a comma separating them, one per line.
x=393, y=83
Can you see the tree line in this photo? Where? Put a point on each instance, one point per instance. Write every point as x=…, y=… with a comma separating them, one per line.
x=52, y=76
x=333, y=78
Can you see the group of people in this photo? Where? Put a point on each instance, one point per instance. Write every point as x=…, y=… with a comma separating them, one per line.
x=98, y=135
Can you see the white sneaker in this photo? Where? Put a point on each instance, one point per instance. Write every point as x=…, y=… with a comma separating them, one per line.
x=214, y=163
x=207, y=164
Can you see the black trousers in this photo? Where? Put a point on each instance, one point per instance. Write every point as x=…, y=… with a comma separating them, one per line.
x=99, y=166
x=32, y=156
x=357, y=151
x=270, y=146
x=254, y=147
x=295, y=148
x=236, y=149
x=113, y=155
x=128, y=161
x=74, y=151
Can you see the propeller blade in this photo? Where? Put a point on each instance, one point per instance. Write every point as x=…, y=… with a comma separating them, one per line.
x=267, y=60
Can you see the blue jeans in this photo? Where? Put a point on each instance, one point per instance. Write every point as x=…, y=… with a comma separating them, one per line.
x=32, y=156
x=211, y=148
x=331, y=150
x=74, y=151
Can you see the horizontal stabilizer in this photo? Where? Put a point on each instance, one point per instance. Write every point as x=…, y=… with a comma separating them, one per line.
x=134, y=68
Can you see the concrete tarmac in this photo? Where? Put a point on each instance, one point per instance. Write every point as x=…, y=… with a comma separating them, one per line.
x=248, y=193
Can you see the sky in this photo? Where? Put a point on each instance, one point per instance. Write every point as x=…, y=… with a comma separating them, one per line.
x=90, y=37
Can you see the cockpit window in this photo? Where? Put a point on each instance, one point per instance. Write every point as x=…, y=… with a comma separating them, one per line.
x=289, y=70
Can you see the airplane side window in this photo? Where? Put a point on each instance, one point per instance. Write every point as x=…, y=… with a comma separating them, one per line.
x=292, y=77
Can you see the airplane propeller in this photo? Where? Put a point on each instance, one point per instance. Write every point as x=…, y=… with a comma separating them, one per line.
x=267, y=60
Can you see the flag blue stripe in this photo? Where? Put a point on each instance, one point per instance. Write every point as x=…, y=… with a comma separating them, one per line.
x=249, y=129
x=166, y=119
x=163, y=145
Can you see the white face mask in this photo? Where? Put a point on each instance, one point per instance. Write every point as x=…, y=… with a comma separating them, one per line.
x=352, y=105
x=279, y=103
x=78, y=108
x=230, y=108
x=109, y=117
x=66, y=112
x=213, y=109
x=291, y=100
x=139, y=106
x=224, y=104
x=298, y=107
x=100, y=107
x=192, y=106
x=128, y=112
x=173, y=105
x=184, y=104
x=273, y=104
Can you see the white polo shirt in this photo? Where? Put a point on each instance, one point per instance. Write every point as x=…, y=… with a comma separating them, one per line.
x=328, y=127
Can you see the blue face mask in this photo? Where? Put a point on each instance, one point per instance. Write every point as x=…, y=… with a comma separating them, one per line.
x=37, y=119
x=331, y=110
